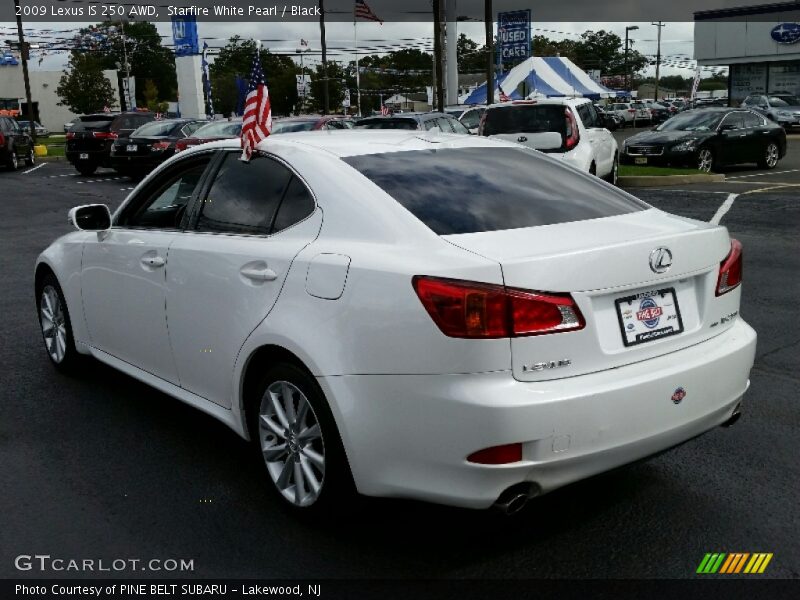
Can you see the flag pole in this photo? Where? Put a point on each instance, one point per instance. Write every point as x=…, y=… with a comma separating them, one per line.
x=358, y=77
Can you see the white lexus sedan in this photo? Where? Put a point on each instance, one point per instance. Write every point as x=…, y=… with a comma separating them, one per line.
x=448, y=318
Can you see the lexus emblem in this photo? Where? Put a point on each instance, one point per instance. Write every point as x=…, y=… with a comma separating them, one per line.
x=660, y=260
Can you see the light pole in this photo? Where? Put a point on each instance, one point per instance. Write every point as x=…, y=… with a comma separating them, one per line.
x=301, y=52
x=627, y=73
x=658, y=55
x=487, y=15
x=23, y=50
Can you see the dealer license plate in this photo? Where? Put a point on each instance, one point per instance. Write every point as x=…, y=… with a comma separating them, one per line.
x=131, y=147
x=649, y=316
x=83, y=156
x=640, y=160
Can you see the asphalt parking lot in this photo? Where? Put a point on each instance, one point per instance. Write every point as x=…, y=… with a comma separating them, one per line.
x=101, y=466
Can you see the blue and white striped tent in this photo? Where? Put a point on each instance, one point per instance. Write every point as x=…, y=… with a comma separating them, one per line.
x=544, y=76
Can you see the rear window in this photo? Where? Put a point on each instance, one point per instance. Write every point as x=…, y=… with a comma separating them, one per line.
x=525, y=119
x=387, y=124
x=92, y=122
x=468, y=190
x=292, y=126
x=155, y=128
x=220, y=128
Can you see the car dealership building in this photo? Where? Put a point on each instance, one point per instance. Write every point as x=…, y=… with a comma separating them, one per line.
x=760, y=45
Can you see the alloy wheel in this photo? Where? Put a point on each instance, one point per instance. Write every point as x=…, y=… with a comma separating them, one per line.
x=291, y=443
x=705, y=160
x=14, y=160
x=771, y=156
x=54, y=324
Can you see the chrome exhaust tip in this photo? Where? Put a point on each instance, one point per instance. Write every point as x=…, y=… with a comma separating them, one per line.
x=514, y=499
x=737, y=414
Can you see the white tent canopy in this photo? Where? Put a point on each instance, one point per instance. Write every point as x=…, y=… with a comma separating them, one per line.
x=548, y=76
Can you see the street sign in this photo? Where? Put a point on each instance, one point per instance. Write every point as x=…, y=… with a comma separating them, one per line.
x=303, y=82
x=514, y=35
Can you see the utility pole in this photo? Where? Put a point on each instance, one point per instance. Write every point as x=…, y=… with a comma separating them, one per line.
x=127, y=67
x=627, y=72
x=451, y=53
x=437, y=53
x=487, y=17
x=23, y=50
x=326, y=98
x=658, y=55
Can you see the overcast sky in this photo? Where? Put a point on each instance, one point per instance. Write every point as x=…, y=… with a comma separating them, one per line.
x=676, y=41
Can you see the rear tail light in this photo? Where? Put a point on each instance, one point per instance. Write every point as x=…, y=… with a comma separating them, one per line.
x=465, y=309
x=70, y=135
x=159, y=146
x=573, y=135
x=730, y=269
x=497, y=455
x=105, y=135
x=181, y=145
x=631, y=110
x=2, y=140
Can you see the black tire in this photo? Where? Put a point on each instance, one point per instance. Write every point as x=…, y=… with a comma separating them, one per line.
x=337, y=491
x=770, y=156
x=70, y=362
x=13, y=159
x=86, y=169
x=30, y=160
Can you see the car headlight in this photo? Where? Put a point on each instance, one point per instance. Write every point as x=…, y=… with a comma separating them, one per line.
x=685, y=146
x=784, y=113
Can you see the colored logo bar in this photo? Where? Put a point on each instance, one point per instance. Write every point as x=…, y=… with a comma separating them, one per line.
x=734, y=562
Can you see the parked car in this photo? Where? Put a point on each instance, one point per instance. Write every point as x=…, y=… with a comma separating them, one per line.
x=784, y=109
x=610, y=120
x=415, y=120
x=708, y=139
x=472, y=323
x=569, y=129
x=41, y=131
x=455, y=111
x=471, y=119
x=658, y=112
x=150, y=145
x=16, y=145
x=311, y=123
x=211, y=132
x=90, y=139
x=632, y=114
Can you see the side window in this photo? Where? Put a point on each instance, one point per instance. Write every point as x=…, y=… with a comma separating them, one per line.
x=3, y=125
x=431, y=124
x=445, y=125
x=458, y=126
x=166, y=199
x=334, y=125
x=244, y=196
x=297, y=204
x=752, y=120
x=471, y=119
x=733, y=120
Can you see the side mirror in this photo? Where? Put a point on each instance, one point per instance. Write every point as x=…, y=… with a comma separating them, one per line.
x=90, y=217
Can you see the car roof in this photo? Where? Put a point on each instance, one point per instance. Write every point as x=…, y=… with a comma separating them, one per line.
x=541, y=102
x=357, y=142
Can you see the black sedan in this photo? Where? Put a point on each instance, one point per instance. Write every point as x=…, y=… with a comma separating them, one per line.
x=709, y=138
x=150, y=145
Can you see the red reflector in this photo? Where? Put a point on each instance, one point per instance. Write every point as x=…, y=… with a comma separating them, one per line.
x=730, y=269
x=497, y=455
x=467, y=309
x=160, y=145
x=105, y=135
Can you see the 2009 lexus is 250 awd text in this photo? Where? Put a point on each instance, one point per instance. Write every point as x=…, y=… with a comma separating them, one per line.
x=449, y=318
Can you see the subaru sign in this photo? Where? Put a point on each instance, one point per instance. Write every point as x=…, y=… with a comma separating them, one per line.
x=514, y=35
x=786, y=33
x=184, y=32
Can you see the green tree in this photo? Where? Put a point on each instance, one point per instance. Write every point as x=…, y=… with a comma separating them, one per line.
x=151, y=100
x=147, y=58
x=236, y=58
x=336, y=87
x=84, y=88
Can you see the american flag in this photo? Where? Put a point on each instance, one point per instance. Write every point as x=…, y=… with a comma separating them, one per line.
x=503, y=96
x=363, y=11
x=257, y=120
x=384, y=110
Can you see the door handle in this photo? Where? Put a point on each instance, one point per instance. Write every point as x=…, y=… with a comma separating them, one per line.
x=522, y=138
x=256, y=274
x=153, y=261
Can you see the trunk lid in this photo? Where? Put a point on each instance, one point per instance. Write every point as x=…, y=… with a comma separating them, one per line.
x=605, y=265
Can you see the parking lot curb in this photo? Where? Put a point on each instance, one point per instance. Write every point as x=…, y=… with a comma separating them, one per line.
x=51, y=158
x=662, y=180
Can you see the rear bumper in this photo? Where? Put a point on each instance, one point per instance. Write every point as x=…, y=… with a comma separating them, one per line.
x=408, y=435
